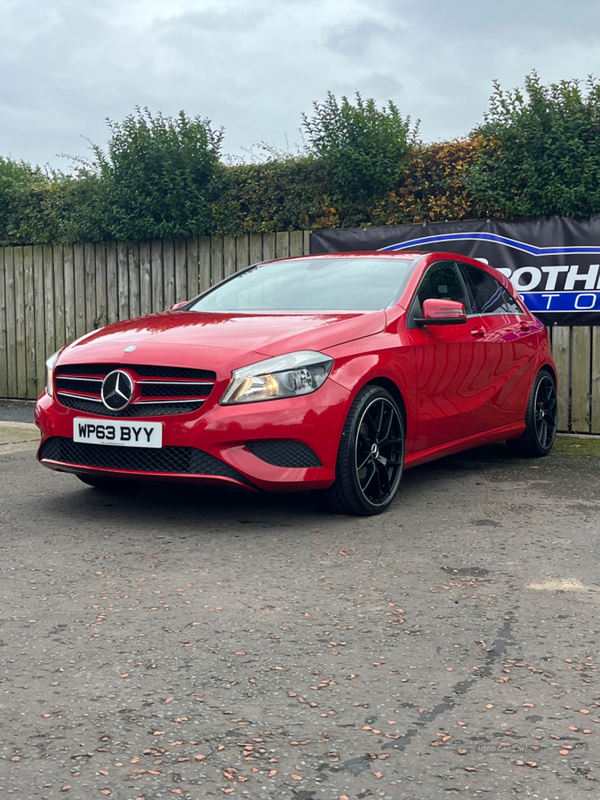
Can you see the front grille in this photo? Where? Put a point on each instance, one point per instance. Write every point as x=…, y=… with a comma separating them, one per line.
x=284, y=453
x=144, y=370
x=81, y=385
x=159, y=390
x=188, y=460
x=176, y=388
x=135, y=410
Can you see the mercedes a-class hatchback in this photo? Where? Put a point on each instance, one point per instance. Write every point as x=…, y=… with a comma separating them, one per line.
x=331, y=372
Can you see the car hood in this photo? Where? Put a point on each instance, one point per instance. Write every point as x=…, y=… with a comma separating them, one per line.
x=226, y=340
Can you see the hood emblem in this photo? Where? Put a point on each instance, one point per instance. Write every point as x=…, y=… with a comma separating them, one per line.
x=129, y=349
x=117, y=390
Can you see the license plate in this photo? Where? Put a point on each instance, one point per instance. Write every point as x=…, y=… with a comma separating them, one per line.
x=117, y=433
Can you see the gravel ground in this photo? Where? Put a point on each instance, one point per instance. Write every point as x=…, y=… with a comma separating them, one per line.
x=17, y=410
x=176, y=642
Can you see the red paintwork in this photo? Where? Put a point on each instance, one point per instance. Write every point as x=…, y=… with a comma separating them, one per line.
x=443, y=309
x=461, y=385
x=178, y=335
x=452, y=383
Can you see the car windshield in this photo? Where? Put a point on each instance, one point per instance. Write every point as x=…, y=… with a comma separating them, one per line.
x=311, y=284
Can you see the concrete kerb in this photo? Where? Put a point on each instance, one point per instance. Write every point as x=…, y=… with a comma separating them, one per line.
x=16, y=437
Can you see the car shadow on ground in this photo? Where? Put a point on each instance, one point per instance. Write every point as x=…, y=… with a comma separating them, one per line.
x=146, y=500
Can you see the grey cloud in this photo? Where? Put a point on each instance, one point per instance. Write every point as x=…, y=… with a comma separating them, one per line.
x=70, y=74
x=254, y=66
x=382, y=86
x=353, y=40
x=212, y=20
x=533, y=23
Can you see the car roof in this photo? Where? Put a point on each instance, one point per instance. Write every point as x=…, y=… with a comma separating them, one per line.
x=412, y=254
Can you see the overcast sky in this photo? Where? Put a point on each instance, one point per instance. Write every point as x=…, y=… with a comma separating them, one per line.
x=253, y=66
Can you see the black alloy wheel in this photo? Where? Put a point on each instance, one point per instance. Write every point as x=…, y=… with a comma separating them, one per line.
x=540, y=421
x=546, y=412
x=371, y=455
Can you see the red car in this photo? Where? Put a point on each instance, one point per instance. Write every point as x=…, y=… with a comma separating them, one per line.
x=330, y=372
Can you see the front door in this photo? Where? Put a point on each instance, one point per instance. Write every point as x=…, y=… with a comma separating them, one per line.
x=450, y=363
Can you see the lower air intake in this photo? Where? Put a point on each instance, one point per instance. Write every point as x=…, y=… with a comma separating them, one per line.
x=284, y=453
x=188, y=460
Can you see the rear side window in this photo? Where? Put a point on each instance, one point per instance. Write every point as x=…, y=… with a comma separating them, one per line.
x=488, y=296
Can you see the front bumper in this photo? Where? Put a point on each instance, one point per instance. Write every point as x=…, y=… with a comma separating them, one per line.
x=277, y=445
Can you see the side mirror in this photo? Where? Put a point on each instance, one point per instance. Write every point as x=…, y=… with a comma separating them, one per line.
x=178, y=305
x=442, y=312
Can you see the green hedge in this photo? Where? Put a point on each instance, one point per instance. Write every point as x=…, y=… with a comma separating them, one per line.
x=536, y=153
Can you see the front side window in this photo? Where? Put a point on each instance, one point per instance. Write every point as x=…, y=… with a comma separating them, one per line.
x=487, y=294
x=442, y=282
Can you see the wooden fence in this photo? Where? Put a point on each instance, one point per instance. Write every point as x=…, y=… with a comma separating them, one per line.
x=576, y=353
x=51, y=295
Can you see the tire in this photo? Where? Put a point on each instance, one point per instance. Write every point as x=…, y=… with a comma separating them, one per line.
x=371, y=455
x=107, y=484
x=540, y=419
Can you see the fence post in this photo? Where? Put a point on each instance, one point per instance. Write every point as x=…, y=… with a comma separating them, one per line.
x=561, y=352
x=3, y=342
x=581, y=362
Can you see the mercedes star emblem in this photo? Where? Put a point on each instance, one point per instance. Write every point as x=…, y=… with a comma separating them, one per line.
x=117, y=390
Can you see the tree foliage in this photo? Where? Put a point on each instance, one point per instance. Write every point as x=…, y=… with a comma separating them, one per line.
x=432, y=185
x=543, y=156
x=278, y=195
x=19, y=184
x=159, y=176
x=361, y=146
x=44, y=206
x=536, y=153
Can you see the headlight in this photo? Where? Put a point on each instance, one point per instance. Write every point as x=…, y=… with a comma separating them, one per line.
x=50, y=362
x=291, y=375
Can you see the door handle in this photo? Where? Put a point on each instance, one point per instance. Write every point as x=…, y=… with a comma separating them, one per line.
x=524, y=326
x=478, y=332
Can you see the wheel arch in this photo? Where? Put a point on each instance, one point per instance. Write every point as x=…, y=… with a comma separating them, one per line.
x=392, y=388
x=541, y=367
x=551, y=369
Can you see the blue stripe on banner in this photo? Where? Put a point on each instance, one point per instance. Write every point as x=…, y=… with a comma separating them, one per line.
x=557, y=302
x=474, y=236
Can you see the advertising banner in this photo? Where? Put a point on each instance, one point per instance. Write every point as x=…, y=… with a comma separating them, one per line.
x=554, y=264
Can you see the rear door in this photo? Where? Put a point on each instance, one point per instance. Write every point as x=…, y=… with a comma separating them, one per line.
x=451, y=370
x=510, y=343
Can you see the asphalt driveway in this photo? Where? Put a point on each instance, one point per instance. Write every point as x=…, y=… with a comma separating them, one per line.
x=177, y=642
